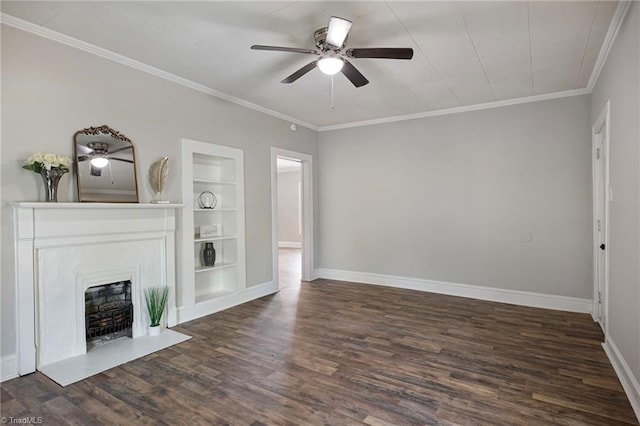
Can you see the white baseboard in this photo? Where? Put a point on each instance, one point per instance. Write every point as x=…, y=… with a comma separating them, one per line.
x=215, y=305
x=8, y=367
x=289, y=244
x=625, y=375
x=515, y=297
x=315, y=274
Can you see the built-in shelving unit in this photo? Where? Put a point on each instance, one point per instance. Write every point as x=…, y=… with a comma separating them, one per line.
x=217, y=169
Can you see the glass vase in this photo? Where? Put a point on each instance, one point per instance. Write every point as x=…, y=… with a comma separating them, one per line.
x=51, y=178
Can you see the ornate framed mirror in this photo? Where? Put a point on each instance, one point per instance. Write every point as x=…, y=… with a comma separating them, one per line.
x=105, y=166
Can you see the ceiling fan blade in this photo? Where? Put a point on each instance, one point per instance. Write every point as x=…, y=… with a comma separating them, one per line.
x=83, y=157
x=284, y=49
x=120, y=149
x=302, y=71
x=121, y=159
x=83, y=149
x=381, y=53
x=338, y=30
x=353, y=74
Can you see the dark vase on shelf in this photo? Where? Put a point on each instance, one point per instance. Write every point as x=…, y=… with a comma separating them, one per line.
x=209, y=254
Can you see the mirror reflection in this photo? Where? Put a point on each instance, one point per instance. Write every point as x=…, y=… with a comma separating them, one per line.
x=105, y=166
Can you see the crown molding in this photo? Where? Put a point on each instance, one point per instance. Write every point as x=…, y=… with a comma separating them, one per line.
x=456, y=110
x=39, y=30
x=607, y=44
x=47, y=33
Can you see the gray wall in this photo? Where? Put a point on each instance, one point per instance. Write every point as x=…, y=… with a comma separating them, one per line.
x=619, y=82
x=49, y=91
x=456, y=198
x=289, y=206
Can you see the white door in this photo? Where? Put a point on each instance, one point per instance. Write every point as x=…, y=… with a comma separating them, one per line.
x=601, y=199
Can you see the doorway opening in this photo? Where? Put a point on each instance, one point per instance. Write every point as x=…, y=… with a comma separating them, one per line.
x=292, y=216
x=601, y=200
x=289, y=188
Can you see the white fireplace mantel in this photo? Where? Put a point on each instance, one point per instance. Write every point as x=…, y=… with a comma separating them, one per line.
x=61, y=248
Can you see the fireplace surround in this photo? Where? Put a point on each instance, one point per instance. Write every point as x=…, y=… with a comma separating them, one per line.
x=64, y=249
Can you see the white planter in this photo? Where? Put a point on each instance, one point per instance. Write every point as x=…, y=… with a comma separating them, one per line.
x=155, y=331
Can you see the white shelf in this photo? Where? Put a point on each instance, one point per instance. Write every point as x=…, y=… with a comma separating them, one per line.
x=213, y=295
x=219, y=169
x=215, y=182
x=216, y=266
x=202, y=240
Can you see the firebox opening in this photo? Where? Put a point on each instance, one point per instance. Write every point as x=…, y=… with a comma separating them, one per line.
x=108, y=313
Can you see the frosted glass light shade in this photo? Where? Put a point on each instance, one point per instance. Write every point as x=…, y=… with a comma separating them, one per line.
x=330, y=66
x=99, y=162
x=338, y=30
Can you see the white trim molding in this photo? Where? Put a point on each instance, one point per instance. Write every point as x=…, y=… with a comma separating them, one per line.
x=625, y=375
x=607, y=44
x=514, y=297
x=219, y=304
x=456, y=110
x=8, y=367
x=315, y=275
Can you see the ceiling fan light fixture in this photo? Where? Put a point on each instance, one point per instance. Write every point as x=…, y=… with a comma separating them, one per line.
x=338, y=30
x=99, y=162
x=330, y=65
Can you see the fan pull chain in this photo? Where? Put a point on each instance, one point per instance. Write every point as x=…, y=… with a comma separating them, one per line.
x=110, y=173
x=332, y=92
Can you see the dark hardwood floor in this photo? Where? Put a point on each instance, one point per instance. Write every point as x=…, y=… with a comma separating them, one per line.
x=338, y=353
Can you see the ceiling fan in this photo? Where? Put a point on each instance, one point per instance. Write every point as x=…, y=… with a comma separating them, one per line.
x=98, y=154
x=331, y=48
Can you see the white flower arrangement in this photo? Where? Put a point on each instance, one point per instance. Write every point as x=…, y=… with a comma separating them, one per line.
x=47, y=161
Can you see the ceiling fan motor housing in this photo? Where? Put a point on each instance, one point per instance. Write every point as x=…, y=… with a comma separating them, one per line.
x=320, y=36
x=99, y=147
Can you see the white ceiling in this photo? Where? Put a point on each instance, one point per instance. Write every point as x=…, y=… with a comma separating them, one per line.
x=465, y=53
